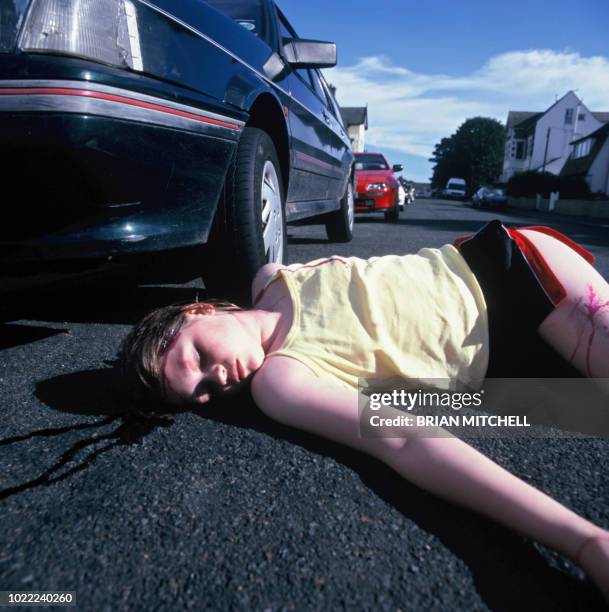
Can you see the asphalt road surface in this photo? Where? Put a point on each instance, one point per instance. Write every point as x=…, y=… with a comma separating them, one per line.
x=223, y=509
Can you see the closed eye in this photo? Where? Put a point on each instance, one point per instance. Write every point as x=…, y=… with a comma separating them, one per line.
x=200, y=358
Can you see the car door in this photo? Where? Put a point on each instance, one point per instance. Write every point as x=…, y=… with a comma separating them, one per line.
x=316, y=170
x=335, y=144
x=341, y=146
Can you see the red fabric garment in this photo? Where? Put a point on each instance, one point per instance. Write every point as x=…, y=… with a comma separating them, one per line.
x=546, y=277
x=457, y=243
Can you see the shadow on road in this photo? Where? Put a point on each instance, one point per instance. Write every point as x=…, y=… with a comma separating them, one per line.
x=299, y=240
x=464, y=226
x=99, y=303
x=88, y=394
x=507, y=571
x=15, y=335
x=104, y=301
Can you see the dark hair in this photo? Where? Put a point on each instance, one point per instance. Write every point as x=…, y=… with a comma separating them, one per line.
x=140, y=356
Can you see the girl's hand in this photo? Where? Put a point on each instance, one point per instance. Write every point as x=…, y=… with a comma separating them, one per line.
x=593, y=557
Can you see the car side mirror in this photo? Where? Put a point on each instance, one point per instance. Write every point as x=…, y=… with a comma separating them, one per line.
x=300, y=53
x=398, y=167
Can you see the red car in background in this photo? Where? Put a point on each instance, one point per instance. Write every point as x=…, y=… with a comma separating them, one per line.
x=377, y=189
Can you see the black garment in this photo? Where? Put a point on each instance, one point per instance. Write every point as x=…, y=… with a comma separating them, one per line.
x=517, y=304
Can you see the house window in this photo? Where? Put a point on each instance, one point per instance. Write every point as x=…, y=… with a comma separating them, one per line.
x=582, y=148
x=581, y=117
x=521, y=149
x=568, y=116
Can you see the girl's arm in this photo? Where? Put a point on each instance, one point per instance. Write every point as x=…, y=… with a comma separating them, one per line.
x=290, y=393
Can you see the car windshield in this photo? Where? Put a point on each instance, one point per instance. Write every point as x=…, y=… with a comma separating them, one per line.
x=248, y=13
x=370, y=162
x=456, y=186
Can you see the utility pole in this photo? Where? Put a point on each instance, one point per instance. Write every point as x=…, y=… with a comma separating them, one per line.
x=545, y=153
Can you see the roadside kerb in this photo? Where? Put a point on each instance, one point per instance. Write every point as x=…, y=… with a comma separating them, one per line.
x=581, y=208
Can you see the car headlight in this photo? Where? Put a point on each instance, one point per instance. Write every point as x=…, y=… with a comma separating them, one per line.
x=376, y=187
x=105, y=31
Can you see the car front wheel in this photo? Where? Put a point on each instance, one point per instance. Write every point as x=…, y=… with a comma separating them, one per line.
x=250, y=227
x=392, y=215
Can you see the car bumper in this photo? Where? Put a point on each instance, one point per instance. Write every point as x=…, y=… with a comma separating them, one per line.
x=371, y=201
x=94, y=171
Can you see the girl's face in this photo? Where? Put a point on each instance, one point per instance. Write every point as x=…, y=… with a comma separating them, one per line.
x=212, y=355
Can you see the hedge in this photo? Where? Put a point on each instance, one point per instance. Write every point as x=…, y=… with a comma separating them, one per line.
x=530, y=183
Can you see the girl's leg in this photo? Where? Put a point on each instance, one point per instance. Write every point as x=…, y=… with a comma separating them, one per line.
x=578, y=329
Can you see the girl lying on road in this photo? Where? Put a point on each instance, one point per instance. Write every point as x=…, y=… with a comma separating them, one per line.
x=478, y=308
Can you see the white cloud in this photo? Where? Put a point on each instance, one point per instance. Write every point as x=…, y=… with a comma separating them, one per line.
x=411, y=112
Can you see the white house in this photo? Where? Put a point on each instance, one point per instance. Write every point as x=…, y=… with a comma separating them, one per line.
x=355, y=119
x=542, y=141
x=590, y=160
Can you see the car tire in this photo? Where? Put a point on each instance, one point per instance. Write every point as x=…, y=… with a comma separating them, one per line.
x=339, y=223
x=250, y=226
x=392, y=215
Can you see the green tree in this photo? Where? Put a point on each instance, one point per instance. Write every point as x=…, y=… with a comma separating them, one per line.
x=474, y=152
x=445, y=159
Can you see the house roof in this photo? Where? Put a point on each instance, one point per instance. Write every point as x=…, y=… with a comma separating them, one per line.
x=530, y=122
x=515, y=118
x=582, y=164
x=596, y=134
x=355, y=115
x=525, y=120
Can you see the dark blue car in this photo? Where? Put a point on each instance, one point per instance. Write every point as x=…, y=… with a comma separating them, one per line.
x=140, y=128
x=490, y=196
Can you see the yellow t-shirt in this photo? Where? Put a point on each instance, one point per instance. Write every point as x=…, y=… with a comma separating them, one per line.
x=417, y=317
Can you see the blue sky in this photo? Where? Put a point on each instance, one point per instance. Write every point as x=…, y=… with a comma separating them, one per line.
x=425, y=67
